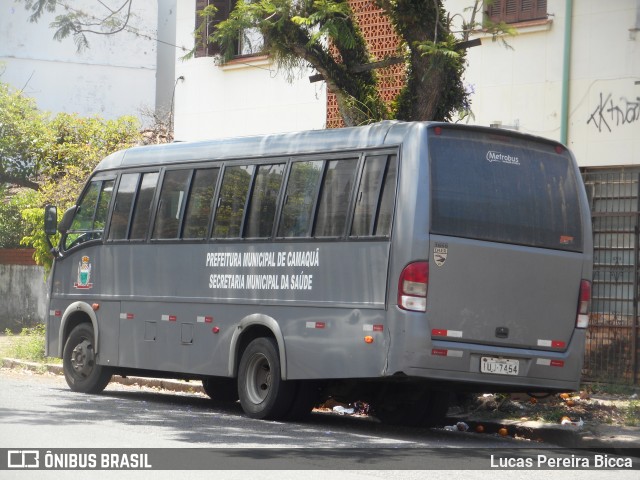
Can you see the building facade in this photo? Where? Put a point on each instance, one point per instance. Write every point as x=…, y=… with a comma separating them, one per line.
x=122, y=74
x=246, y=96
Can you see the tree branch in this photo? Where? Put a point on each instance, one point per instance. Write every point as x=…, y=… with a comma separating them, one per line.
x=19, y=181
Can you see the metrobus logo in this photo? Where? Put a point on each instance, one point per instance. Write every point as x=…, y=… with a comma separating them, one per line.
x=493, y=156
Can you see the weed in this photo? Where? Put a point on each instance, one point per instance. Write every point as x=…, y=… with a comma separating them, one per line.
x=553, y=415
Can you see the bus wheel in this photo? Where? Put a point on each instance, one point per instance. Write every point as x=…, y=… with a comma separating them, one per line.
x=221, y=389
x=263, y=394
x=81, y=371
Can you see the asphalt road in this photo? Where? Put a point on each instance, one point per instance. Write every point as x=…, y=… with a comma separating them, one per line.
x=40, y=412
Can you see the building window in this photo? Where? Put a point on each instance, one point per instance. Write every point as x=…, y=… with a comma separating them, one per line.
x=514, y=11
x=250, y=42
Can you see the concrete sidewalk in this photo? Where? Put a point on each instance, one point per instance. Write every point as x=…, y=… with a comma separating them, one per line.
x=591, y=436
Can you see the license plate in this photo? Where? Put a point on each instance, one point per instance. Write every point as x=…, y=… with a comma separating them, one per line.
x=499, y=366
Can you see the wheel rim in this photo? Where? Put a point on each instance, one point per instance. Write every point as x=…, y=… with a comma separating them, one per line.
x=258, y=381
x=82, y=359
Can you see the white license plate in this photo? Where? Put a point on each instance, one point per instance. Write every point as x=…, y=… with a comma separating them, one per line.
x=499, y=366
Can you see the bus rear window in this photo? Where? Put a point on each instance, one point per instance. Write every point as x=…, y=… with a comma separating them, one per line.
x=504, y=189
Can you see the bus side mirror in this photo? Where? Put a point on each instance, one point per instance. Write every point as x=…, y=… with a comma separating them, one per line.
x=67, y=218
x=50, y=220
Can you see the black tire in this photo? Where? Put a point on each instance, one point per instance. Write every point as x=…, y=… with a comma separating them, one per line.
x=81, y=371
x=263, y=394
x=221, y=389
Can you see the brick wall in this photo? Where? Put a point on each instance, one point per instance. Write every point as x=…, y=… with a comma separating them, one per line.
x=382, y=42
x=17, y=256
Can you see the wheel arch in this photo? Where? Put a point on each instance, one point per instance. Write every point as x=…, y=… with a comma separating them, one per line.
x=252, y=327
x=74, y=315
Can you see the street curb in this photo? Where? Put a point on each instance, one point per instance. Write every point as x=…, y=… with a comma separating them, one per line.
x=592, y=437
x=159, y=383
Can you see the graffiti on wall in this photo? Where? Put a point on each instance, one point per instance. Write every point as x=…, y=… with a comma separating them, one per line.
x=612, y=113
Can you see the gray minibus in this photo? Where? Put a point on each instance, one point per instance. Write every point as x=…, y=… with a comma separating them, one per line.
x=392, y=263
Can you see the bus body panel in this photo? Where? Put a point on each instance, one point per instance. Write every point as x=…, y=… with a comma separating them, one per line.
x=461, y=367
x=161, y=308
x=183, y=306
x=503, y=295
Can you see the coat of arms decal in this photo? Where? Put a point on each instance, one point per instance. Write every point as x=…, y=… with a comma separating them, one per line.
x=440, y=251
x=84, y=274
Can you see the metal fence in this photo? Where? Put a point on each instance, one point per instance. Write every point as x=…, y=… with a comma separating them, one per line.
x=612, y=337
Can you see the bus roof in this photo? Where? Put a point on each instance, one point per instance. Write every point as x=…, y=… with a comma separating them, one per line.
x=385, y=133
x=378, y=134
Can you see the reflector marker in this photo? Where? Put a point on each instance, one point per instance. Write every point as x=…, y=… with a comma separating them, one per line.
x=441, y=352
x=55, y=313
x=169, y=318
x=551, y=343
x=436, y=332
x=127, y=316
x=316, y=325
x=547, y=362
x=206, y=319
x=373, y=328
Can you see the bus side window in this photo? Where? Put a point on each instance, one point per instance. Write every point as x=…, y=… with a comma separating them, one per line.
x=142, y=209
x=232, y=201
x=375, y=198
x=172, y=199
x=196, y=221
x=388, y=199
x=262, y=204
x=122, y=208
x=302, y=189
x=91, y=215
x=334, y=198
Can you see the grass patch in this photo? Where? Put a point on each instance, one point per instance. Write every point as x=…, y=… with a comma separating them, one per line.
x=27, y=345
x=610, y=388
x=632, y=414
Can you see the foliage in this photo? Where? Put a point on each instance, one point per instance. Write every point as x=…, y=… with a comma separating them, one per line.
x=12, y=224
x=79, y=145
x=24, y=137
x=35, y=237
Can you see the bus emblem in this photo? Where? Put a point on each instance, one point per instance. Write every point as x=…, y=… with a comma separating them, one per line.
x=84, y=274
x=440, y=253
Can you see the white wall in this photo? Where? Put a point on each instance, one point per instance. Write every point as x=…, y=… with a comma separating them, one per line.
x=604, y=126
x=240, y=99
x=115, y=76
x=523, y=87
x=166, y=64
x=24, y=296
x=518, y=86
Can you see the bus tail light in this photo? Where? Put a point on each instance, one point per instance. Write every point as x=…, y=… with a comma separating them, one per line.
x=584, y=303
x=412, y=287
